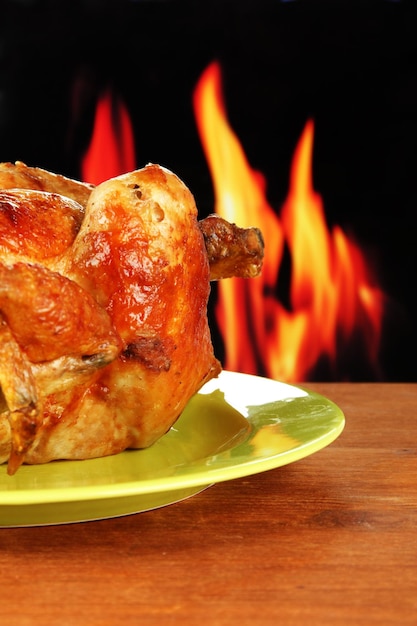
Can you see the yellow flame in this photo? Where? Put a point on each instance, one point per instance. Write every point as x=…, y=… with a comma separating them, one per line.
x=330, y=294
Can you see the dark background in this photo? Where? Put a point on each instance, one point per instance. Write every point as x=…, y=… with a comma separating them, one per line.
x=351, y=66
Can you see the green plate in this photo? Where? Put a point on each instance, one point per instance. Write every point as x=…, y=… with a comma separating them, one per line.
x=235, y=426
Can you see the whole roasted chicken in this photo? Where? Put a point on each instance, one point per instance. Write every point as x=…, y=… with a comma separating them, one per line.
x=104, y=335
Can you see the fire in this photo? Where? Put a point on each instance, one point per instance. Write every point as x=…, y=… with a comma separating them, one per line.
x=333, y=298
x=111, y=151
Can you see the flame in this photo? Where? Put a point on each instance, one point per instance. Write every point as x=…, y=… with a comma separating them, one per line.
x=333, y=296
x=111, y=151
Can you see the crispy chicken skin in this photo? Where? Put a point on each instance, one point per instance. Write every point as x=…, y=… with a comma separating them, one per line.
x=37, y=225
x=20, y=176
x=139, y=267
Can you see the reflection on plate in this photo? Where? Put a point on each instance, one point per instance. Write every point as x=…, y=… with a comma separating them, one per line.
x=235, y=426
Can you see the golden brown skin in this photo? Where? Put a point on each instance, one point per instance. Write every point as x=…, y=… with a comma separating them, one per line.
x=139, y=267
x=51, y=316
x=37, y=225
x=20, y=176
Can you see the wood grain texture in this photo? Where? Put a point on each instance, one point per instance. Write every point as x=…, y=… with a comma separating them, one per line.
x=328, y=540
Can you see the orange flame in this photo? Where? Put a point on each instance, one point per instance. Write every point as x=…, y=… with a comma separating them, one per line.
x=111, y=151
x=332, y=295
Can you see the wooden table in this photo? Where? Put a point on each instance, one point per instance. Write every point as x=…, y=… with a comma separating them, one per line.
x=330, y=539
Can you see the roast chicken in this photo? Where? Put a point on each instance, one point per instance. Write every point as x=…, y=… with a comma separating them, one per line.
x=104, y=335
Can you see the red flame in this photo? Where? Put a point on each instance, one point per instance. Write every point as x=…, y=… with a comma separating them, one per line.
x=332, y=294
x=111, y=151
